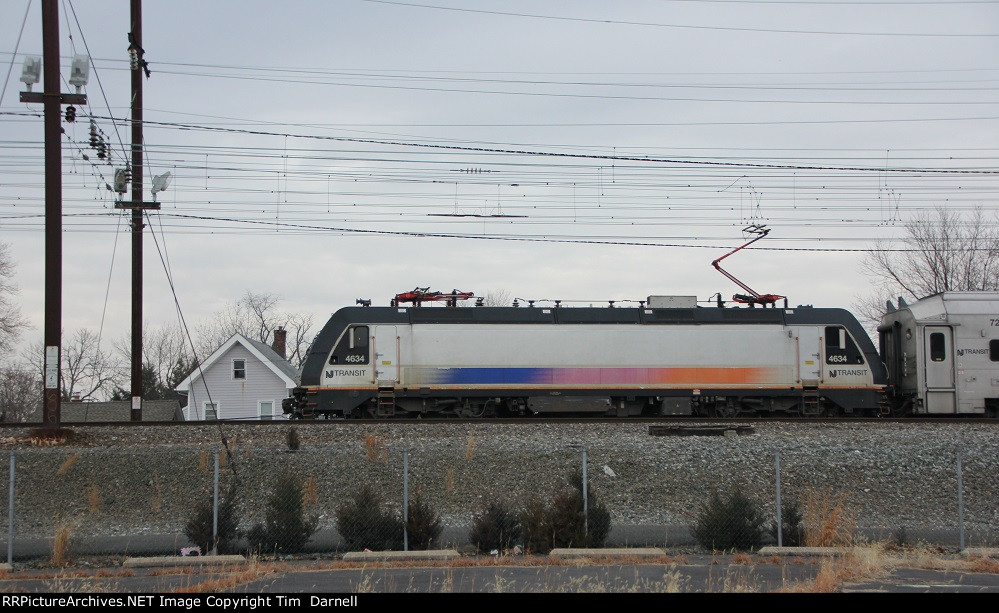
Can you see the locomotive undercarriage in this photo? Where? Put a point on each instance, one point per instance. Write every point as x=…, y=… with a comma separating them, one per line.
x=388, y=403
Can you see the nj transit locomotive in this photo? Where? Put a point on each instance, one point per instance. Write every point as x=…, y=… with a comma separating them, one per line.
x=678, y=360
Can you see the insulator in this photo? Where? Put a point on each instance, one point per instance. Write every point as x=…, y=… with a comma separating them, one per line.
x=133, y=58
x=101, y=150
x=93, y=134
x=70, y=114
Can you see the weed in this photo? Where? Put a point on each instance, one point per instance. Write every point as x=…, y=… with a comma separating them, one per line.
x=65, y=466
x=449, y=480
x=156, y=501
x=310, y=492
x=203, y=462
x=375, y=448
x=469, y=446
x=61, y=544
x=828, y=522
x=294, y=442
x=94, y=499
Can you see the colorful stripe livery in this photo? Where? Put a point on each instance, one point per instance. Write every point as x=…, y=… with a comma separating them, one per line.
x=595, y=376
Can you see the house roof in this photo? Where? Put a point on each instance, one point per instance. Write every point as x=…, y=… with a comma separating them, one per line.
x=119, y=410
x=267, y=356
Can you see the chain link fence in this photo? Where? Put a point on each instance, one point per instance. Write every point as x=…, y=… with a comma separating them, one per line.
x=372, y=495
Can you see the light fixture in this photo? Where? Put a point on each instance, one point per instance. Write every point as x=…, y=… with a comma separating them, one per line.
x=32, y=71
x=160, y=183
x=79, y=73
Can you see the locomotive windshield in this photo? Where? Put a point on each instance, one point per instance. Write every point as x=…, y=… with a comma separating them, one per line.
x=840, y=348
x=352, y=348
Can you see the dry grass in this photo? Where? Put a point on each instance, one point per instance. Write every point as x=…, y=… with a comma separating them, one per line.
x=51, y=437
x=203, y=462
x=68, y=464
x=375, y=448
x=983, y=565
x=827, y=519
x=94, y=499
x=449, y=480
x=61, y=552
x=470, y=447
x=310, y=492
x=156, y=501
x=742, y=559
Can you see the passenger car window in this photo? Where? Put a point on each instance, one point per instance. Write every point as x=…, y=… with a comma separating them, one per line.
x=938, y=347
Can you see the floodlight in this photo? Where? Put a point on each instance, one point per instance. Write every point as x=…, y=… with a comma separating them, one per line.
x=120, y=180
x=160, y=183
x=79, y=73
x=32, y=71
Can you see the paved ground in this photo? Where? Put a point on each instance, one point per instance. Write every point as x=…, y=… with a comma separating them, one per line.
x=632, y=574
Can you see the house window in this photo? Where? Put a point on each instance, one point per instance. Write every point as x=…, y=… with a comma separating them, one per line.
x=266, y=409
x=211, y=410
x=239, y=369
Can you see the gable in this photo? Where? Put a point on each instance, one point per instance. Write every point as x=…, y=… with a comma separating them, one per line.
x=240, y=347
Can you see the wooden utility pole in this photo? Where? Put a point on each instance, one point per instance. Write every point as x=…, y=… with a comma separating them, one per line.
x=53, y=101
x=138, y=67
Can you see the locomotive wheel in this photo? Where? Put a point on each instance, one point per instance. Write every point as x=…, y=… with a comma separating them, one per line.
x=729, y=408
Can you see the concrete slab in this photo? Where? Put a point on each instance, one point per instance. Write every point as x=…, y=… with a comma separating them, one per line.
x=631, y=552
x=804, y=551
x=395, y=556
x=980, y=552
x=159, y=561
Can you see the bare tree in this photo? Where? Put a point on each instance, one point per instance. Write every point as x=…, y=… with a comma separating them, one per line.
x=255, y=316
x=20, y=393
x=89, y=372
x=942, y=251
x=165, y=349
x=498, y=297
x=11, y=321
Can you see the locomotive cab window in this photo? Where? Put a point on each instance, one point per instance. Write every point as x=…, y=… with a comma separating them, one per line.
x=994, y=351
x=352, y=348
x=840, y=348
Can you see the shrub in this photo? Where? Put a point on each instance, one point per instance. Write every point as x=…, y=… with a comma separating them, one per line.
x=570, y=526
x=535, y=528
x=363, y=523
x=198, y=529
x=294, y=442
x=735, y=522
x=791, y=529
x=286, y=529
x=423, y=524
x=495, y=528
x=564, y=523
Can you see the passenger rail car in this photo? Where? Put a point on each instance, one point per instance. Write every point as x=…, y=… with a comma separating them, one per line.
x=484, y=361
x=942, y=354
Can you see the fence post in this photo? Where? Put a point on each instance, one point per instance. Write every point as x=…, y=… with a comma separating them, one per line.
x=960, y=502
x=10, y=513
x=586, y=501
x=780, y=528
x=215, y=507
x=405, y=499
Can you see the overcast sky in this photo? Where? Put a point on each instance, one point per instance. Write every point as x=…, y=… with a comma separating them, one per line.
x=573, y=150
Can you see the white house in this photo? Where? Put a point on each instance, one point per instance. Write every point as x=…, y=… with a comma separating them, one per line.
x=242, y=379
